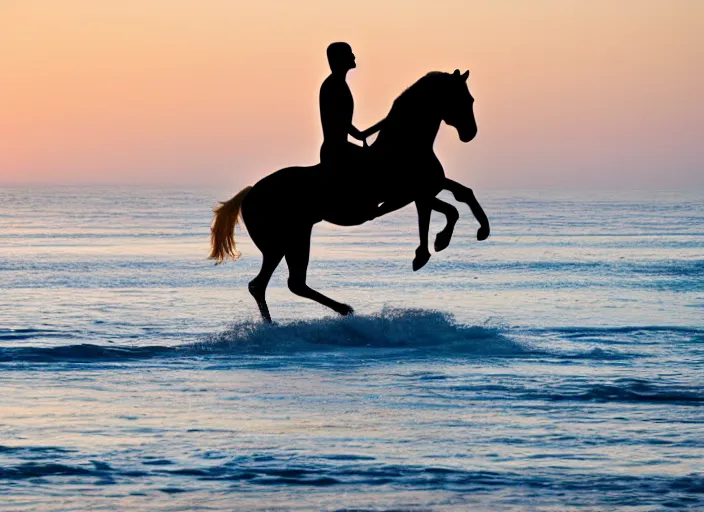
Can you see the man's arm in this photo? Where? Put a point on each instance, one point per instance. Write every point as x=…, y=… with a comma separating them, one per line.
x=371, y=131
x=366, y=133
x=356, y=133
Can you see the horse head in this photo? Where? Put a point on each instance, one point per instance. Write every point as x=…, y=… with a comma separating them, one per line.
x=457, y=105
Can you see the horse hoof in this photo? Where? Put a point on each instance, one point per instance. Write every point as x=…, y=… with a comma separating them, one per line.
x=483, y=233
x=345, y=310
x=442, y=241
x=420, y=260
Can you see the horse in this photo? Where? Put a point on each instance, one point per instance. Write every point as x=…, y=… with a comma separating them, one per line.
x=281, y=209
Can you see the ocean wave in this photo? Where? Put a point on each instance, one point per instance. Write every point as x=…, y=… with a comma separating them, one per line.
x=596, y=353
x=628, y=337
x=32, y=451
x=85, y=352
x=412, y=332
x=29, y=333
x=632, y=390
x=405, y=329
x=577, y=332
x=693, y=268
x=35, y=469
x=315, y=472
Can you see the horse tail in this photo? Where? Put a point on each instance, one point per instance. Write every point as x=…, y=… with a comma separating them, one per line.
x=222, y=230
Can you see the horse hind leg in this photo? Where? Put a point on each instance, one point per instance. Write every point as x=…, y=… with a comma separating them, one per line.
x=297, y=257
x=257, y=286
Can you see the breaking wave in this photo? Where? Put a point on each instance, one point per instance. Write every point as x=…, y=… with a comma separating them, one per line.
x=413, y=332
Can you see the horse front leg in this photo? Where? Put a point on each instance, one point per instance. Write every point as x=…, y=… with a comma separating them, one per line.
x=423, y=207
x=442, y=239
x=465, y=195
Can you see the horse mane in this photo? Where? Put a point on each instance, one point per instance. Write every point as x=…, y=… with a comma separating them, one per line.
x=418, y=85
x=416, y=92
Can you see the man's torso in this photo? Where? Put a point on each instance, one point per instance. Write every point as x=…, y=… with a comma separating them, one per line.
x=336, y=109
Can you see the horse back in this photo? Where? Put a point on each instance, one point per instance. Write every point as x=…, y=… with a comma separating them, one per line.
x=284, y=194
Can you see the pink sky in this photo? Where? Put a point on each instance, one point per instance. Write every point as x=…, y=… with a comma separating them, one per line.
x=568, y=93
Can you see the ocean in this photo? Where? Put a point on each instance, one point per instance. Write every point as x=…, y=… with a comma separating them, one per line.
x=559, y=365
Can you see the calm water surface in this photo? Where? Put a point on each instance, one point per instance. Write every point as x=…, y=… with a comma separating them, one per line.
x=557, y=366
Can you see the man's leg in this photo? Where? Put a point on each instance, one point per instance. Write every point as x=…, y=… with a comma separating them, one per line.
x=361, y=182
x=390, y=206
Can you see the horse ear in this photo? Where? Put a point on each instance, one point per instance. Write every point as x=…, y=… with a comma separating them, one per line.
x=456, y=73
x=465, y=75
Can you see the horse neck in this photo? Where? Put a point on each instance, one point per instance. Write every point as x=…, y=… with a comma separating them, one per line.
x=412, y=129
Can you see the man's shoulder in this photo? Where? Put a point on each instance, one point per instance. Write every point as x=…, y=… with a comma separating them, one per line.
x=332, y=83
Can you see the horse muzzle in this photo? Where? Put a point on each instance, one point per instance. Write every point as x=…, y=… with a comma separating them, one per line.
x=467, y=135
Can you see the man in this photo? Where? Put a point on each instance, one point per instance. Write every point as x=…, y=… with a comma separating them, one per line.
x=340, y=158
x=337, y=154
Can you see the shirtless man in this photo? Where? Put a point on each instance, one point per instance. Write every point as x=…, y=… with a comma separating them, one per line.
x=337, y=154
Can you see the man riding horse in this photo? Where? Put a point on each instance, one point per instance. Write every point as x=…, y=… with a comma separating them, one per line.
x=353, y=184
x=342, y=159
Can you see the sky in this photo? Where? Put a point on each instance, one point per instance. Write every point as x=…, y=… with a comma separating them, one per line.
x=569, y=93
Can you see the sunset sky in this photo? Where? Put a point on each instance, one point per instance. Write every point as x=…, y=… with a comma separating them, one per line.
x=592, y=93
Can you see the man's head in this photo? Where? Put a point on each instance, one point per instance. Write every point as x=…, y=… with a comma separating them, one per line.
x=340, y=57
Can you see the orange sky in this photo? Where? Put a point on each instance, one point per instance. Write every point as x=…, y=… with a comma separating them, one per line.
x=216, y=92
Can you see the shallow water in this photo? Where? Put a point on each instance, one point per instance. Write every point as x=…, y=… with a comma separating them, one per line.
x=556, y=366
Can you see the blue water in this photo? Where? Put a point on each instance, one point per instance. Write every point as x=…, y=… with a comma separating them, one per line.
x=558, y=365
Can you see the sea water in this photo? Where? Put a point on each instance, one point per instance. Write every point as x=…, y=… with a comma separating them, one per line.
x=559, y=365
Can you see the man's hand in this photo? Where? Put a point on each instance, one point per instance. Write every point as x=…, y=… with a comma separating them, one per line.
x=372, y=130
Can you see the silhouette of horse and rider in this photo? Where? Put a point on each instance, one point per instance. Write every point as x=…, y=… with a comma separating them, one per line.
x=354, y=184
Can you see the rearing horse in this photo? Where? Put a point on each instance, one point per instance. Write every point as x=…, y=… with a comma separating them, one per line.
x=281, y=209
